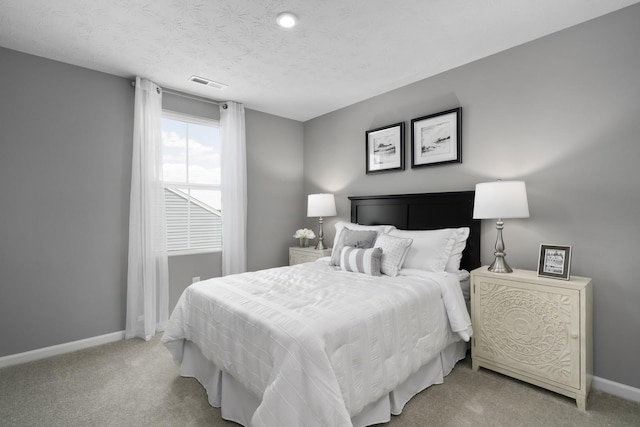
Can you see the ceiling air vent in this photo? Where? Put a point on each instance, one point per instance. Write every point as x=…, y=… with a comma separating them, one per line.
x=207, y=82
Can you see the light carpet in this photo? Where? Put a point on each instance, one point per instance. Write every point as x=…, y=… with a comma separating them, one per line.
x=136, y=383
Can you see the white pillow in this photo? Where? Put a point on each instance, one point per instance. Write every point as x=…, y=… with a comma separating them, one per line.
x=460, y=236
x=430, y=250
x=340, y=225
x=366, y=261
x=353, y=226
x=394, y=251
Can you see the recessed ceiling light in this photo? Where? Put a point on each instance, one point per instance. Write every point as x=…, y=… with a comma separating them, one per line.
x=287, y=20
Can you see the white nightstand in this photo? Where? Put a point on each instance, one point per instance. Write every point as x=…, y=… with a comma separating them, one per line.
x=535, y=329
x=299, y=255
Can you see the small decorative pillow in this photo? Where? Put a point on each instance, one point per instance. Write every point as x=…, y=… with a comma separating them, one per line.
x=365, y=261
x=344, y=225
x=394, y=251
x=362, y=239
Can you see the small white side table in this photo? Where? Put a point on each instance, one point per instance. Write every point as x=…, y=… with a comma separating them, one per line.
x=298, y=255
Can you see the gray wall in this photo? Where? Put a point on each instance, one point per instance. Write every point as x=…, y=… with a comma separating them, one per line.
x=65, y=165
x=561, y=113
x=183, y=268
x=65, y=168
x=274, y=186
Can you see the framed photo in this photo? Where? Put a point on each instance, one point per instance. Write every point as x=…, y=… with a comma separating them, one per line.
x=437, y=139
x=385, y=148
x=554, y=261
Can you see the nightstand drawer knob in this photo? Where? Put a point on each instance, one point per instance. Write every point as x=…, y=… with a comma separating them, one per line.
x=575, y=335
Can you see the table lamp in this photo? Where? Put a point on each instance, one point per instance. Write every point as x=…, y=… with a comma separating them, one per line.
x=321, y=205
x=500, y=200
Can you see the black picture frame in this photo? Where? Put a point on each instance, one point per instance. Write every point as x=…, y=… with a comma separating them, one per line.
x=436, y=139
x=385, y=149
x=554, y=261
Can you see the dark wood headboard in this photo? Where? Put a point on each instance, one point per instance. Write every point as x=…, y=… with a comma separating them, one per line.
x=426, y=211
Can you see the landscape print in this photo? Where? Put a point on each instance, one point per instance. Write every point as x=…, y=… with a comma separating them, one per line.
x=435, y=139
x=385, y=148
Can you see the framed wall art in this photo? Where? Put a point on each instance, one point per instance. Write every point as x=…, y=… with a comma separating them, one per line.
x=437, y=139
x=554, y=261
x=385, y=148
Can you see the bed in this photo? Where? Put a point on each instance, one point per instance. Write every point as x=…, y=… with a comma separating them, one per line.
x=336, y=345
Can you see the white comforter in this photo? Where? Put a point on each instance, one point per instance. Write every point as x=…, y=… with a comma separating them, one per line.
x=314, y=343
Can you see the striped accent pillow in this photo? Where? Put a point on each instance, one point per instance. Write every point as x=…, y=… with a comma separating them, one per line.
x=363, y=239
x=366, y=261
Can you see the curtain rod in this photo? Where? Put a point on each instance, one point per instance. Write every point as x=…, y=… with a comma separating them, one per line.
x=186, y=95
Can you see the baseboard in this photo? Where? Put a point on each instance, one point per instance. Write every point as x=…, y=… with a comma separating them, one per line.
x=617, y=389
x=42, y=353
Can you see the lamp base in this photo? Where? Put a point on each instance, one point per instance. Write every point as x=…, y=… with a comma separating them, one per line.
x=499, y=265
x=320, y=246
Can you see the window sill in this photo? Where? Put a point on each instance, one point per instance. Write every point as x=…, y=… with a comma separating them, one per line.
x=193, y=252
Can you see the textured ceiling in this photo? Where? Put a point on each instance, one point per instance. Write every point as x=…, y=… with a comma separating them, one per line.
x=341, y=52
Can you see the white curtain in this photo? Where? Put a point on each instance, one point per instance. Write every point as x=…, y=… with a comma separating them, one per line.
x=147, y=277
x=234, y=188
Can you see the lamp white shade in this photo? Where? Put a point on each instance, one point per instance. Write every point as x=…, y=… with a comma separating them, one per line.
x=321, y=205
x=501, y=199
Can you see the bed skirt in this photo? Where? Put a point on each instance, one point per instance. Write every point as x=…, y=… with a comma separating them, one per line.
x=238, y=405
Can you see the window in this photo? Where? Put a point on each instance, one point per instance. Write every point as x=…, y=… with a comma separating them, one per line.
x=191, y=173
